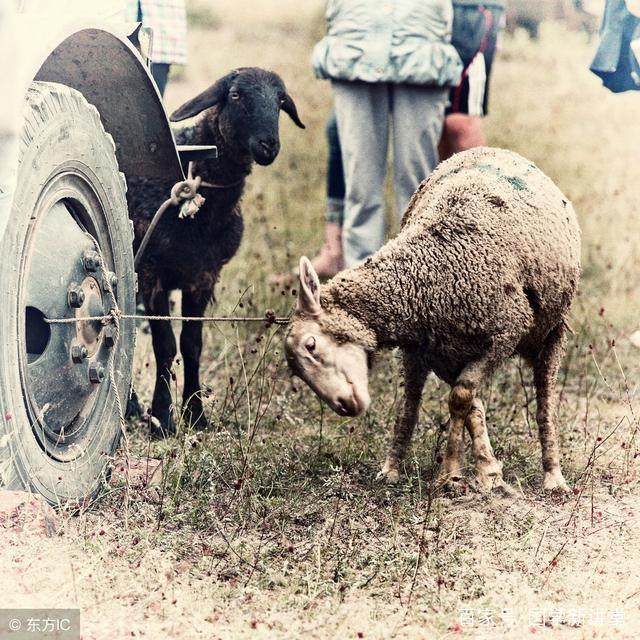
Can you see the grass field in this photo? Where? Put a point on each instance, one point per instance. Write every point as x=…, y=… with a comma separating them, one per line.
x=270, y=524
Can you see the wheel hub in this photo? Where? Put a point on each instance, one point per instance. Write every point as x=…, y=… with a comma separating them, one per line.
x=89, y=331
x=65, y=363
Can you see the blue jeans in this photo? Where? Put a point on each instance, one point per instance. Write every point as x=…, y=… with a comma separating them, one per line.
x=159, y=70
x=160, y=73
x=335, y=174
x=364, y=112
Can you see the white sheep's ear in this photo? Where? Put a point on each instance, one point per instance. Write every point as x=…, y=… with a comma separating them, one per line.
x=309, y=295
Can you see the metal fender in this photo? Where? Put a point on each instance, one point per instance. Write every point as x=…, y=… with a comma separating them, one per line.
x=99, y=60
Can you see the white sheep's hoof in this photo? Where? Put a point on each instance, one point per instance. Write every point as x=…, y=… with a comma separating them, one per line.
x=493, y=486
x=452, y=483
x=554, y=482
x=450, y=476
x=503, y=490
x=455, y=487
x=389, y=473
x=492, y=483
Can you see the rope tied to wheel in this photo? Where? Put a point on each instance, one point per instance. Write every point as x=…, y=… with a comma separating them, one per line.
x=269, y=318
x=115, y=316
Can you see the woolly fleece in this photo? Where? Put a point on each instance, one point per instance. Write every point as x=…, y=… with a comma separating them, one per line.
x=487, y=259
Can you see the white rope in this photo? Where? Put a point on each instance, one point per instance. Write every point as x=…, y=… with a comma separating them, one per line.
x=185, y=195
x=115, y=316
x=269, y=318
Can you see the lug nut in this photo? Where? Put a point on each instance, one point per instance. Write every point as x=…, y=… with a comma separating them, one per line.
x=112, y=279
x=91, y=260
x=75, y=296
x=96, y=373
x=78, y=353
x=109, y=335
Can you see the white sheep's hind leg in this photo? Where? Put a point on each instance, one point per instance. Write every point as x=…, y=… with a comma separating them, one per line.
x=545, y=372
x=488, y=468
x=415, y=374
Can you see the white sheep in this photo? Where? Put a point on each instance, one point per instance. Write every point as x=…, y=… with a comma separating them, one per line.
x=485, y=267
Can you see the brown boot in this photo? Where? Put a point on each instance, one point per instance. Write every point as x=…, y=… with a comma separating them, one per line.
x=330, y=259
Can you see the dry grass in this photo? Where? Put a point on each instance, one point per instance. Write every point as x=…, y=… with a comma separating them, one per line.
x=270, y=524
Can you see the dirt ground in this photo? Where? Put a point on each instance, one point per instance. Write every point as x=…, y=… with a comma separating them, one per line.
x=270, y=524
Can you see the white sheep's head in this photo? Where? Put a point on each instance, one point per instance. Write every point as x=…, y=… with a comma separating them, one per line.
x=336, y=370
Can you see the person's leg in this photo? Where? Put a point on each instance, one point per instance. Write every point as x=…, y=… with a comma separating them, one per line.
x=160, y=73
x=362, y=111
x=418, y=115
x=335, y=173
x=330, y=259
x=475, y=34
x=463, y=125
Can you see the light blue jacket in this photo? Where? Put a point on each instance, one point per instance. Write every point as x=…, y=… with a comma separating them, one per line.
x=399, y=41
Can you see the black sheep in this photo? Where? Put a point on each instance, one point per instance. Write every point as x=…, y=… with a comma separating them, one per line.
x=241, y=114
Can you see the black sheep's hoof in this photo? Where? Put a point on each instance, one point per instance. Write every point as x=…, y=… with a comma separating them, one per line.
x=134, y=408
x=194, y=414
x=162, y=425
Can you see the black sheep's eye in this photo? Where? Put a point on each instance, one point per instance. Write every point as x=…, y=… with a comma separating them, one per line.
x=234, y=95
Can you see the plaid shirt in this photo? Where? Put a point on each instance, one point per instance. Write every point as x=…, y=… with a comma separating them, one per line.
x=168, y=20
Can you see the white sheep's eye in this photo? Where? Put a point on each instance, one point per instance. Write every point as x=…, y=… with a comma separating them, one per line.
x=234, y=95
x=310, y=344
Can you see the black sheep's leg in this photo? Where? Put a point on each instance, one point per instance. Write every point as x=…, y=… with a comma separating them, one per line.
x=193, y=304
x=133, y=405
x=164, y=348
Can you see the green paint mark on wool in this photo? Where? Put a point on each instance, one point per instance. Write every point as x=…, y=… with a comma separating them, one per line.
x=516, y=183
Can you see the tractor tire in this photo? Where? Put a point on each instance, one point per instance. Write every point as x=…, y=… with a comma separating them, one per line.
x=59, y=416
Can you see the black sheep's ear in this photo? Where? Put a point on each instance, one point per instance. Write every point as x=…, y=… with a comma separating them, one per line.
x=289, y=107
x=215, y=94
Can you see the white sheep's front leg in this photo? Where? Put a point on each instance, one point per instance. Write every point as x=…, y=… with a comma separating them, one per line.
x=415, y=374
x=460, y=400
x=461, y=403
x=488, y=469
